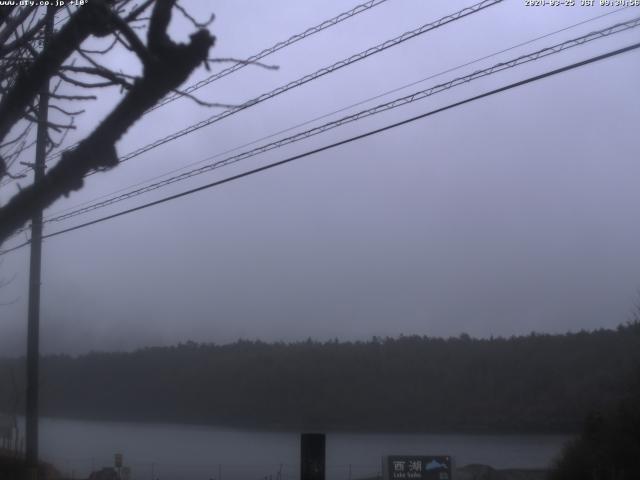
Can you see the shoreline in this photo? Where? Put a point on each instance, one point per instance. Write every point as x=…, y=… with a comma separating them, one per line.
x=329, y=429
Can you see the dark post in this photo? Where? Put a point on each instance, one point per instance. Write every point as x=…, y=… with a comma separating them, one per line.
x=312, y=456
x=33, y=325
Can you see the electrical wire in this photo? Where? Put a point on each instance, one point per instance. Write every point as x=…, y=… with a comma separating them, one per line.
x=308, y=78
x=363, y=7
x=278, y=46
x=340, y=110
x=408, y=35
x=420, y=95
x=342, y=142
x=314, y=76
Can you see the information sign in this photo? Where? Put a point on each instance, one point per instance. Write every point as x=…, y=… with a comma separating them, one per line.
x=418, y=467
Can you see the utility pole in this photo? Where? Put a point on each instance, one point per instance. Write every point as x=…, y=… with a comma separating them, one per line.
x=33, y=326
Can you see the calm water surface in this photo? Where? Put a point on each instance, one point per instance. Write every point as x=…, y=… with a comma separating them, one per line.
x=185, y=452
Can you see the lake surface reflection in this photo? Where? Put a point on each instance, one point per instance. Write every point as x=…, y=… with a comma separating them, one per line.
x=187, y=452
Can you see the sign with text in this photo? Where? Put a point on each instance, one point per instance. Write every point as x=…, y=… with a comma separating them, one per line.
x=418, y=467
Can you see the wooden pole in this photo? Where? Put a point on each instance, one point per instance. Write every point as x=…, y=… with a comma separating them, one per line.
x=33, y=322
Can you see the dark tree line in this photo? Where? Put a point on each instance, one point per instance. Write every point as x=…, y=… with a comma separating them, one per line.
x=535, y=383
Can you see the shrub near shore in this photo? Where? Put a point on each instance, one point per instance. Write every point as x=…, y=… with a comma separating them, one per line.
x=608, y=447
x=14, y=468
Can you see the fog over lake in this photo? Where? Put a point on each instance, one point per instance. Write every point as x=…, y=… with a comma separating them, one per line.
x=514, y=213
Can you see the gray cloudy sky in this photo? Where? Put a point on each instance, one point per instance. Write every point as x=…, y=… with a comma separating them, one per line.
x=515, y=213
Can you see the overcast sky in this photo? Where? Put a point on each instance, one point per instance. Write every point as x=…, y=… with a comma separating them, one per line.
x=515, y=213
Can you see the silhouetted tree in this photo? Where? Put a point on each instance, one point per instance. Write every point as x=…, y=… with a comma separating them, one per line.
x=27, y=63
x=608, y=447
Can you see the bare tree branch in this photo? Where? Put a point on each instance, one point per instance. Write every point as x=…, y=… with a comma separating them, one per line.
x=166, y=65
x=29, y=82
x=193, y=21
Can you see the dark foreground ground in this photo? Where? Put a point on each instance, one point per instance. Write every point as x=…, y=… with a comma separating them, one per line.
x=12, y=468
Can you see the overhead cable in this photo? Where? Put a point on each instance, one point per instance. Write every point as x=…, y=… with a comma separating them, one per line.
x=340, y=110
x=313, y=76
x=268, y=51
x=405, y=100
x=363, y=7
x=341, y=142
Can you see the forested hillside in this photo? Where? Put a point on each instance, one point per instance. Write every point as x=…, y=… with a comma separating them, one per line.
x=535, y=383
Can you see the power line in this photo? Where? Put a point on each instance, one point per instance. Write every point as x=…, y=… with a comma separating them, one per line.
x=342, y=142
x=363, y=7
x=307, y=122
x=319, y=73
x=420, y=95
x=377, y=109
x=313, y=76
x=278, y=46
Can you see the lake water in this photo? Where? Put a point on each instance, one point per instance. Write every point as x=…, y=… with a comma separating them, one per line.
x=185, y=452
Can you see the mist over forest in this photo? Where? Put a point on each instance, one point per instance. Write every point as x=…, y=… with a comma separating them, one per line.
x=534, y=383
